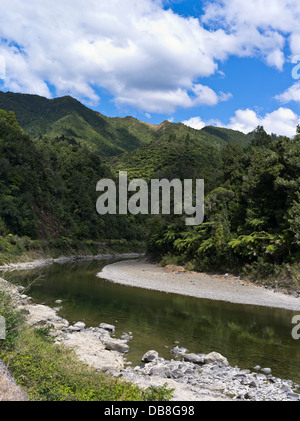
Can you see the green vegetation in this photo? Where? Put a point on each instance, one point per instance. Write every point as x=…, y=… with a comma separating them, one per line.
x=173, y=158
x=48, y=191
x=48, y=197
x=251, y=219
x=68, y=120
x=49, y=372
x=51, y=157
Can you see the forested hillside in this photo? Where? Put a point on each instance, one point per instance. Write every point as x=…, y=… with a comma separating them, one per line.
x=48, y=186
x=252, y=219
x=48, y=189
x=67, y=119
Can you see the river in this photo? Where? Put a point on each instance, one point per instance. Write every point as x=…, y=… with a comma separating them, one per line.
x=247, y=335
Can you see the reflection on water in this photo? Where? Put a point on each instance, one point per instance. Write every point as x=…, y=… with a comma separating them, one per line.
x=246, y=335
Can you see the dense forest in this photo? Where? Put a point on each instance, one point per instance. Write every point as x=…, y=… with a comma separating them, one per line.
x=252, y=198
x=252, y=219
x=48, y=192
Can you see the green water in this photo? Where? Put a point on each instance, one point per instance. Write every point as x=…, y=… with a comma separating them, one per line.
x=246, y=335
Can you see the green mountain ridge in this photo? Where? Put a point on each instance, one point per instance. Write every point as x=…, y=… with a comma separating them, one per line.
x=66, y=118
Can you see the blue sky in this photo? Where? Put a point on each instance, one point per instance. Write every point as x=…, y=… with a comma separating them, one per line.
x=224, y=62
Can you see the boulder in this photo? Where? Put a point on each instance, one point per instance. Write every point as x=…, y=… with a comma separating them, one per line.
x=150, y=356
x=106, y=326
x=215, y=357
x=117, y=345
x=178, y=351
x=160, y=370
x=266, y=370
x=79, y=325
x=194, y=358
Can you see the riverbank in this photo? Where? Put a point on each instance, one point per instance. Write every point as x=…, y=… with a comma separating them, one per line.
x=193, y=377
x=50, y=360
x=140, y=273
x=65, y=259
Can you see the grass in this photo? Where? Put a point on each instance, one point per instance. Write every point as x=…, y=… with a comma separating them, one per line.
x=50, y=372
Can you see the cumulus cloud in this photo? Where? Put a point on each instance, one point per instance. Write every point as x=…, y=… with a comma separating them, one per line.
x=140, y=53
x=282, y=121
x=291, y=94
x=195, y=122
x=260, y=26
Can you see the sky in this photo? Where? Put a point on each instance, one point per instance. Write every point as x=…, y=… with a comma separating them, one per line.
x=228, y=63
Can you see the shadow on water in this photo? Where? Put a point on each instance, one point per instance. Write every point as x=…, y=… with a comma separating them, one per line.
x=246, y=335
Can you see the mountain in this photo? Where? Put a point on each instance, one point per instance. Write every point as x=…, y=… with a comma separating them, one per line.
x=48, y=190
x=65, y=118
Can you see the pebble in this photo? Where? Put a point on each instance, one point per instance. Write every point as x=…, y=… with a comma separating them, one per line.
x=216, y=377
x=266, y=370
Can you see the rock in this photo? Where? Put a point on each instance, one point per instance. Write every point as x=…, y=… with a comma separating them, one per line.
x=176, y=374
x=106, y=326
x=215, y=357
x=104, y=335
x=285, y=389
x=71, y=329
x=293, y=395
x=178, y=351
x=79, y=325
x=249, y=395
x=90, y=350
x=150, y=356
x=194, y=358
x=126, y=336
x=266, y=370
x=58, y=301
x=260, y=376
x=117, y=345
x=257, y=367
x=159, y=370
x=252, y=384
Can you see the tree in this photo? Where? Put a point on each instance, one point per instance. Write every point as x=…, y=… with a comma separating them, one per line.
x=261, y=138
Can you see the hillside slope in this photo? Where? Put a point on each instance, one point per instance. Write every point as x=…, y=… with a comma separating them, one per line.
x=66, y=118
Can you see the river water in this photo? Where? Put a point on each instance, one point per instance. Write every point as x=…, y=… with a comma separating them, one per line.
x=246, y=335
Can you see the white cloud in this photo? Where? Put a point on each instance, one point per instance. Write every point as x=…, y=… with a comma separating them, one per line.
x=244, y=120
x=282, y=121
x=195, y=123
x=259, y=26
x=140, y=53
x=2, y=67
x=291, y=94
x=160, y=101
x=134, y=48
